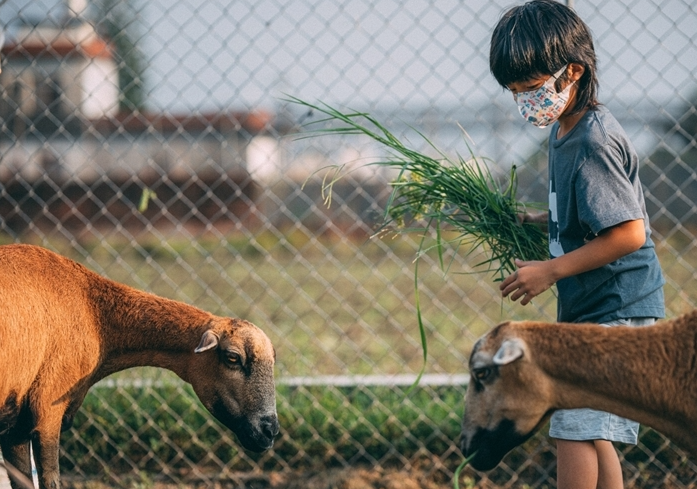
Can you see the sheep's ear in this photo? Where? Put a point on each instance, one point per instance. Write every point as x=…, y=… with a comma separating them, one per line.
x=509, y=351
x=208, y=340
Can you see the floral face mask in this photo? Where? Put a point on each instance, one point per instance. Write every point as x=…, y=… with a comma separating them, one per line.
x=543, y=106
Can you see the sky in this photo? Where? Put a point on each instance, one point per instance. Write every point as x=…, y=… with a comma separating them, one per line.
x=208, y=54
x=415, y=60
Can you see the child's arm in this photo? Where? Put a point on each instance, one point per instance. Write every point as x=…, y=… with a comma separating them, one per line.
x=536, y=217
x=539, y=218
x=534, y=277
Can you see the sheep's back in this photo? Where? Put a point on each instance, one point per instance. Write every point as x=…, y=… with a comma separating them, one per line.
x=47, y=335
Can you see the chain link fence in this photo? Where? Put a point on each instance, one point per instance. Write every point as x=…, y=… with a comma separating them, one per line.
x=152, y=141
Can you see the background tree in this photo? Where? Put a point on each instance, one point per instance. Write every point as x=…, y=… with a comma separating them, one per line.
x=118, y=21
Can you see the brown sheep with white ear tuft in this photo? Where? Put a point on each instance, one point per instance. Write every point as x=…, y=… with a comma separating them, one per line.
x=521, y=372
x=63, y=328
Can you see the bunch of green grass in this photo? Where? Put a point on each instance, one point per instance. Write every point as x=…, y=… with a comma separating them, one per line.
x=459, y=195
x=453, y=194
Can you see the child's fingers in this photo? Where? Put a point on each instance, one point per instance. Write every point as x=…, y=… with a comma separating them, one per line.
x=518, y=294
x=508, y=281
x=526, y=299
x=512, y=284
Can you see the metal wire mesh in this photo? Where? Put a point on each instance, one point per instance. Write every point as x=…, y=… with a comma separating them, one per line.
x=152, y=142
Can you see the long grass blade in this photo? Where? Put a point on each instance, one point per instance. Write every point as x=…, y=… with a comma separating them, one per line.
x=422, y=330
x=463, y=464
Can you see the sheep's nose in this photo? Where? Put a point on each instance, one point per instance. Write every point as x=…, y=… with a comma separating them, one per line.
x=269, y=426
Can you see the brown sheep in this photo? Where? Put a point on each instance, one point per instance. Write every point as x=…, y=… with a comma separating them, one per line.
x=63, y=328
x=521, y=372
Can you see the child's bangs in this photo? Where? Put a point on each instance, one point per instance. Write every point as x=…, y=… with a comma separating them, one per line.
x=519, y=59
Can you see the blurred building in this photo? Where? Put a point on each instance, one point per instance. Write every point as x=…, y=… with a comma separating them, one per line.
x=54, y=78
x=68, y=154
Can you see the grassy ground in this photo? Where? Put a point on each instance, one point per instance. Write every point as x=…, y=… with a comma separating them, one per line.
x=345, y=306
x=335, y=305
x=160, y=436
x=164, y=427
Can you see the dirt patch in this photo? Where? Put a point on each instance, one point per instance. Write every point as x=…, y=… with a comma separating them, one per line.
x=348, y=478
x=358, y=479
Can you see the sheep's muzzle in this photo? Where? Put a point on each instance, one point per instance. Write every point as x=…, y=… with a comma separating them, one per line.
x=255, y=433
x=491, y=445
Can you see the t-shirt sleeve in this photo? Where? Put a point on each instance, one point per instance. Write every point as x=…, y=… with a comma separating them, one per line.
x=605, y=195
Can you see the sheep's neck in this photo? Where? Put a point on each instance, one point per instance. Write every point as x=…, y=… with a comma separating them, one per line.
x=614, y=369
x=140, y=329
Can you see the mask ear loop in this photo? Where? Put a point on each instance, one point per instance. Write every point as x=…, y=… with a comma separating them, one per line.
x=558, y=75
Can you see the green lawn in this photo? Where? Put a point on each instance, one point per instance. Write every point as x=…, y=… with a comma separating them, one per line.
x=330, y=306
x=340, y=306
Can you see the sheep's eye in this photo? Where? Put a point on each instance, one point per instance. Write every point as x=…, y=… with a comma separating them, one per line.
x=233, y=359
x=481, y=374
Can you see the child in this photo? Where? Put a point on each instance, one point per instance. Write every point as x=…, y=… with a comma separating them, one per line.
x=602, y=258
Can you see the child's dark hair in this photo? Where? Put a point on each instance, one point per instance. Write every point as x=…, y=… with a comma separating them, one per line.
x=539, y=38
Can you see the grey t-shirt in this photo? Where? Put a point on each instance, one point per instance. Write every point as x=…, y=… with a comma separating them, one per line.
x=594, y=185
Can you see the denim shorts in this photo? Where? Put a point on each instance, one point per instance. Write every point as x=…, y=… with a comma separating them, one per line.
x=589, y=424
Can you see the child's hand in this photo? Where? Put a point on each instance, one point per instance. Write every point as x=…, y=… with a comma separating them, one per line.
x=530, y=280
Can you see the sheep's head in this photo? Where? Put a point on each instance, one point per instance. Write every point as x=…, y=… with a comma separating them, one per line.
x=233, y=377
x=507, y=399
